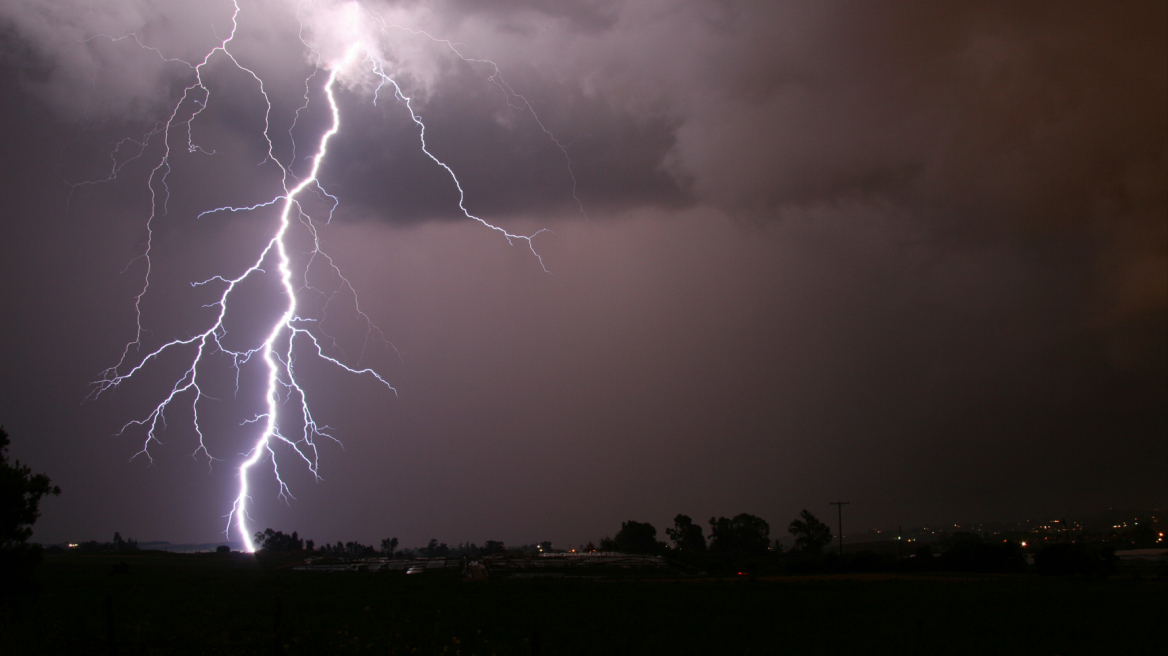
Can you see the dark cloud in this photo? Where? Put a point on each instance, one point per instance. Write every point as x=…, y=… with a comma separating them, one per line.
x=589, y=15
x=505, y=162
x=913, y=255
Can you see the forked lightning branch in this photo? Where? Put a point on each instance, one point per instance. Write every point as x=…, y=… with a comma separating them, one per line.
x=285, y=427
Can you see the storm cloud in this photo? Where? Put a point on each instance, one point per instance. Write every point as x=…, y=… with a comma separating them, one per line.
x=911, y=254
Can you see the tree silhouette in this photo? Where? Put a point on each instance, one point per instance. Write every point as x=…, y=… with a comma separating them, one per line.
x=21, y=492
x=120, y=544
x=687, y=537
x=811, y=535
x=744, y=534
x=637, y=538
x=273, y=541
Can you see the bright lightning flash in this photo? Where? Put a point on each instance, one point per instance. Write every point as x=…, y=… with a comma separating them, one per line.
x=277, y=350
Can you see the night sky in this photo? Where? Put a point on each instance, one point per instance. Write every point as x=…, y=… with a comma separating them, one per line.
x=908, y=255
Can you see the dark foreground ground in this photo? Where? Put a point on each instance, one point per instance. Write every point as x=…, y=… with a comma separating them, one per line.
x=215, y=604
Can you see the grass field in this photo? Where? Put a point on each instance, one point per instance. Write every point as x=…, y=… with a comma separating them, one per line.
x=231, y=604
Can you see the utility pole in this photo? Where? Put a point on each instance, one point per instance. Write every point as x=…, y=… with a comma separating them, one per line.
x=840, y=505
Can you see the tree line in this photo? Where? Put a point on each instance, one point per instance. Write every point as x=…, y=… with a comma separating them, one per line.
x=118, y=543
x=741, y=542
x=731, y=539
x=272, y=541
x=736, y=543
x=742, y=545
x=741, y=535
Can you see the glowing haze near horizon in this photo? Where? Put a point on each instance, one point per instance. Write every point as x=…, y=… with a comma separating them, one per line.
x=915, y=257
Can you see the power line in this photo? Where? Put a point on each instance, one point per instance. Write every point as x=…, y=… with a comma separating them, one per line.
x=840, y=505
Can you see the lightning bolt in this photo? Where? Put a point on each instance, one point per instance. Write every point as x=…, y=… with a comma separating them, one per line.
x=291, y=333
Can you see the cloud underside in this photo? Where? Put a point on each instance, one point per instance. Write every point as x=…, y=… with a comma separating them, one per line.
x=910, y=246
x=956, y=128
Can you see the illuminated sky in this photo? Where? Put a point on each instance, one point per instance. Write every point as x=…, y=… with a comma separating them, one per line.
x=911, y=257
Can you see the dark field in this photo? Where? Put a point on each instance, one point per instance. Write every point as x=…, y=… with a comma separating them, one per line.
x=216, y=604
